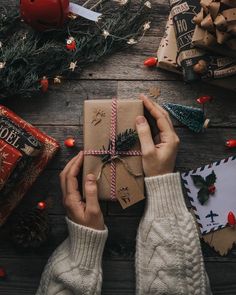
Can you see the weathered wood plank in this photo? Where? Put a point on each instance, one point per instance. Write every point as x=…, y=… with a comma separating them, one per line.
x=64, y=104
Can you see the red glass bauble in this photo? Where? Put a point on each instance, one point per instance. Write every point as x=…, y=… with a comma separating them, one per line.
x=44, y=14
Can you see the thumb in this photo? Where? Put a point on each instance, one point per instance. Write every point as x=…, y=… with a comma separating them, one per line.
x=145, y=136
x=91, y=192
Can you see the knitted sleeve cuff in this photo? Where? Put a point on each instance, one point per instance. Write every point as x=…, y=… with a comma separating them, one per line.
x=86, y=244
x=164, y=195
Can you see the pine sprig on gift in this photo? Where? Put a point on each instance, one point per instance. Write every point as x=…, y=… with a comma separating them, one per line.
x=125, y=141
x=27, y=56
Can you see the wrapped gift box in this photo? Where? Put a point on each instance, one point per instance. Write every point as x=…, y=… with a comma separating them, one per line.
x=9, y=157
x=49, y=147
x=97, y=138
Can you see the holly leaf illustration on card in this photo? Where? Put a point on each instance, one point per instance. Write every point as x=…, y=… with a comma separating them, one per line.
x=207, y=186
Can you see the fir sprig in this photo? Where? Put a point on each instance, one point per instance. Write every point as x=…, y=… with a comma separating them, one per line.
x=28, y=55
x=125, y=141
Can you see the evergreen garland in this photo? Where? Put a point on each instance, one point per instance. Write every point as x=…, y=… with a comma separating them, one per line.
x=26, y=56
x=125, y=141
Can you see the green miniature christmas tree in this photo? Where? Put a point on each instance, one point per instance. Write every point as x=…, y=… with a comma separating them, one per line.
x=193, y=118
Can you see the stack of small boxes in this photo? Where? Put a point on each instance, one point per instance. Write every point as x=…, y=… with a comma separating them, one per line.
x=24, y=153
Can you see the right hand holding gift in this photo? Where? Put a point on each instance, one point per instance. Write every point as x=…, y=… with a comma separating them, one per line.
x=158, y=159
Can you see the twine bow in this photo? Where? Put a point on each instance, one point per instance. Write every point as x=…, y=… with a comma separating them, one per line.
x=218, y=19
x=112, y=151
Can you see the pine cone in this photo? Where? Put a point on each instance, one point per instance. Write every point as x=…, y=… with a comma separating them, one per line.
x=30, y=229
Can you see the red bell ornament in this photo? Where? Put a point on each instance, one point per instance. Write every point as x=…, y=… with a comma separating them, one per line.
x=231, y=219
x=44, y=14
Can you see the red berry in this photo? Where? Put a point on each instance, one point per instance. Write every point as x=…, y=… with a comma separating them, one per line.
x=71, y=44
x=211, y=189
x=41, y=205
x=150, y=62
x=231, y=219
x=2, y=272
x=44, y=84
x=203, y=99
x=69, y=142
x=231, y=143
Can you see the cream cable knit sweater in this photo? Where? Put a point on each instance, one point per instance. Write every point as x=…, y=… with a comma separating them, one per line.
x=168, y=254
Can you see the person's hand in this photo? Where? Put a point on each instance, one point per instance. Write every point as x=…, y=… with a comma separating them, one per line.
x=157, y=159
x=88, y=214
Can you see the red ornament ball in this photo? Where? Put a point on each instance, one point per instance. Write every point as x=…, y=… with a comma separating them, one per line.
x=44, y=84
x=42, y=205
x=44, y=14
x=69, y=142
x=71, y=44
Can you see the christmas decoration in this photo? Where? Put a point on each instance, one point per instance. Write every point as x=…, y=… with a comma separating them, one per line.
x=200, y=67
x=42, y=205
x=71, y=44
x=193, y=118
x=220, y=68
x=30, y=228
x=150, y=62
x=31, y=57
x=125, y=141
x=204, y=99
x=215, y=27
x=231, y=143
x=231, y=219
x=44, y=84
x=69, y=142
x=41, y=152
x=114, y=156
x=47, y=14
x=207, y=186
x=155, y=92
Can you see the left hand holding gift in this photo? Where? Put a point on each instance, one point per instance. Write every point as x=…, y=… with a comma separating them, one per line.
x=87, y=214
x=157, y=159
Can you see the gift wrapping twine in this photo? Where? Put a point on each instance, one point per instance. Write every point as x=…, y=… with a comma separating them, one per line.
x=112, y=151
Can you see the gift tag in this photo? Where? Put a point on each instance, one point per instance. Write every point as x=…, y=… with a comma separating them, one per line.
x=127, y=190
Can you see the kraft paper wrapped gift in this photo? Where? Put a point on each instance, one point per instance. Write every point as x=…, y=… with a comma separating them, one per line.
x=129, y=184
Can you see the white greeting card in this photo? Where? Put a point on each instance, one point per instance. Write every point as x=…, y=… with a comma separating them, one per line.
x=212, y=193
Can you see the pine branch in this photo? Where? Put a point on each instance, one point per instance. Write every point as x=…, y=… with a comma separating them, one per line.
x=125, y=141
x=30, y=55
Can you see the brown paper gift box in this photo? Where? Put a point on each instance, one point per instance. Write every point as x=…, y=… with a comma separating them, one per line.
x=97, y=124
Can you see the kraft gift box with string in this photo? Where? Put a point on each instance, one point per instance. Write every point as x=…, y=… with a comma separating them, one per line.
x=112, y=149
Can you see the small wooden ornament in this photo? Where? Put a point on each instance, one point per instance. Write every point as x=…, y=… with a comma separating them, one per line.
x=200, y=67
x=155, y=92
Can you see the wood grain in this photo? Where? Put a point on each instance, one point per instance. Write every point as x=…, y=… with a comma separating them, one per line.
x=60, y=114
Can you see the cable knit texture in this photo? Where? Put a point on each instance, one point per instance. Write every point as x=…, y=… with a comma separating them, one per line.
x=75, y=266
x=168, y=253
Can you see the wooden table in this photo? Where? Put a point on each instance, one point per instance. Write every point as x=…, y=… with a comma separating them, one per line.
x=60, y=113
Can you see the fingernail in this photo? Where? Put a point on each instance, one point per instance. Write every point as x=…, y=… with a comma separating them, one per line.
x=91, y=177
x=140, y=120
